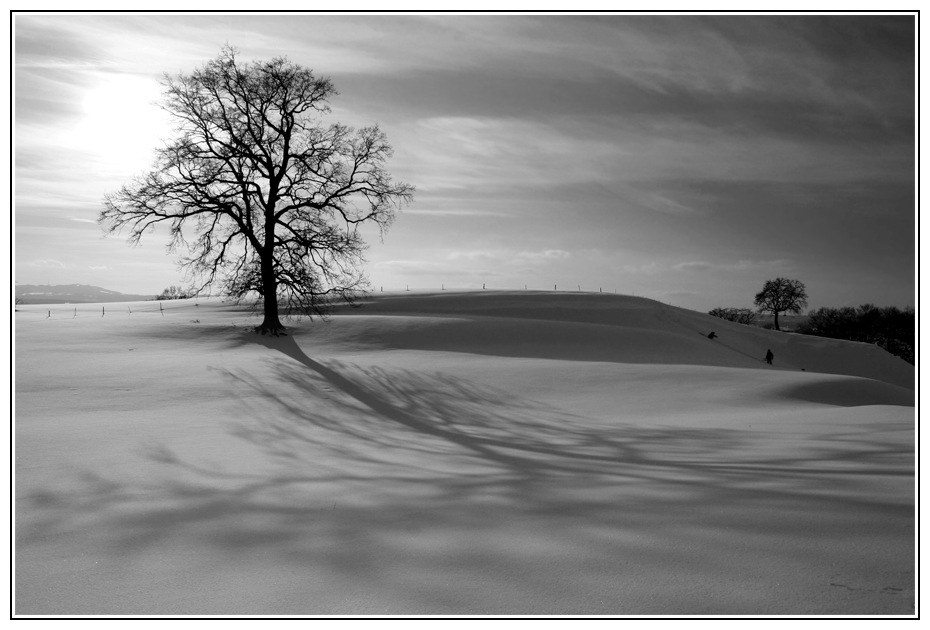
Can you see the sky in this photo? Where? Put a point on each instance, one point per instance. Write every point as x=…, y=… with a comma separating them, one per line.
x=684, y=158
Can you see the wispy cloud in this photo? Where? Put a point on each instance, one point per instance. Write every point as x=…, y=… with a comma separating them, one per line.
x=739, y=265
x=696, y=265
x=546, y=255
x=47, y=263
x=456, y=212
x=649, y=268
x=504, y=256
x=474, y=255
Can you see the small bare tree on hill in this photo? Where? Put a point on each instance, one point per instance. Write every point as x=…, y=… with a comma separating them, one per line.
x=781, y=295
x=262, y=195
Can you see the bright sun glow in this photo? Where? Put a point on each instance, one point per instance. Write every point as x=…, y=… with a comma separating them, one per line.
x=109, y=101
x=121, y=124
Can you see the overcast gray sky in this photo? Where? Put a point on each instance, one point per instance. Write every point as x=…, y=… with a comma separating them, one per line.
x=684, y=158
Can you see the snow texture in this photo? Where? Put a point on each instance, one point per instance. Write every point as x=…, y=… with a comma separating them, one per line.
x=481, y=453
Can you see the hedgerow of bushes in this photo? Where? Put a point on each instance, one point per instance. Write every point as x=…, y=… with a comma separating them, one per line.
x=889, y=327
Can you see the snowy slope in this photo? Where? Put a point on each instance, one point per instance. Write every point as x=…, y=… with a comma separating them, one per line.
x=604, y=327
x=457, y=454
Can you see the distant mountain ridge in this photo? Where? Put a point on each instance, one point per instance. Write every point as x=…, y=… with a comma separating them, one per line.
x=71, y=294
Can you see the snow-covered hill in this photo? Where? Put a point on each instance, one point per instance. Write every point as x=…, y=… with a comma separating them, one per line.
x=454, y=454
x=605, y=327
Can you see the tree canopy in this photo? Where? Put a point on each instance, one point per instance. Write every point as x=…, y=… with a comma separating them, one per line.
x=258, y=192
x=781, y=295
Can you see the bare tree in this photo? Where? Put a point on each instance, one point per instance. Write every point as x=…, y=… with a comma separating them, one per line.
x=262, y=195
x=781, y=295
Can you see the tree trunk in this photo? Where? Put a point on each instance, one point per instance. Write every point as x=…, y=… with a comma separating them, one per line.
x=270, y=324
x=776, y=320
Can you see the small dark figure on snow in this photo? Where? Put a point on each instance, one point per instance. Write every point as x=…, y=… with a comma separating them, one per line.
x=769, y=356
x=712, y=335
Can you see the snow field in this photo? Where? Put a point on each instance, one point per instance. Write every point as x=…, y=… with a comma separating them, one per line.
x=521, y=454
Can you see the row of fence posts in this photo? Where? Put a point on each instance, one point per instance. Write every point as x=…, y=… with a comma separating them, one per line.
x=103, y=311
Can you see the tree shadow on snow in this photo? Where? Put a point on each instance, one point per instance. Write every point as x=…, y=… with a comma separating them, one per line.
x=359, y=462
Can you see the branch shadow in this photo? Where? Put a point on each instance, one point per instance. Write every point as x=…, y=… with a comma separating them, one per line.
x=359, y=463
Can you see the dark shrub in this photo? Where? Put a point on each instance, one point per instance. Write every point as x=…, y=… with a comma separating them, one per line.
x=738, y=315
x=889, y=327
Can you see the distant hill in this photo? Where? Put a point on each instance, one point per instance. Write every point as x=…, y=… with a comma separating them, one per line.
x=71, y=294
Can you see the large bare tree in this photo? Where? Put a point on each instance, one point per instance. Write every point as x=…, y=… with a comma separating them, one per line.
x=260, y=195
